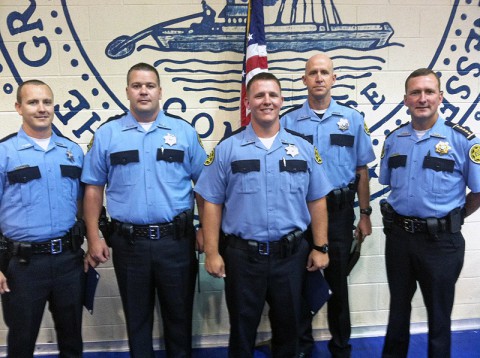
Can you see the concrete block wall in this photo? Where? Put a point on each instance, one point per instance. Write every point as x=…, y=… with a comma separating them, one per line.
x=66, y=43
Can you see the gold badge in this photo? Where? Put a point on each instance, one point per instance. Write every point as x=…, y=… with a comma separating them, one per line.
x=366, y=128
x=210, y=158
x=442, y=148
x=474, y=153
x=318, y=158
x=170, y=139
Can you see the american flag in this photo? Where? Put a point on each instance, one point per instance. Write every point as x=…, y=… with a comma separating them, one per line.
x=255, y=53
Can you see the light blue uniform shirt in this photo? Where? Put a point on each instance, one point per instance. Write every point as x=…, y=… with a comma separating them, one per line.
x=264, y=191
x=148, y=174
x=428, y=176
x=340, y=136
x=38, y=189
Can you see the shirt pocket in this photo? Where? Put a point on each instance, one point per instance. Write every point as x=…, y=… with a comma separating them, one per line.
x=125, y=166
x=293, y=175
x=342, y=145
x=246, y=175
x=171, y=163
x=25, y=178
x=397, y=164
x=435, y=173
x=70, y=179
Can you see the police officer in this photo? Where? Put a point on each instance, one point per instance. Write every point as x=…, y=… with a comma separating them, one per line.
x=261, y=185
x=40, y=245
x=147, y=159
x=343, y=140
x=428, y=163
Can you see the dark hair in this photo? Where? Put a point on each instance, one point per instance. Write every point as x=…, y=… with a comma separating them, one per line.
x=266, y=76
x=142, y=66
x=422, y=72
x=29, y=82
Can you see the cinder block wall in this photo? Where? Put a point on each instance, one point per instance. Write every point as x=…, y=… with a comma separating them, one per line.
x=83, y=49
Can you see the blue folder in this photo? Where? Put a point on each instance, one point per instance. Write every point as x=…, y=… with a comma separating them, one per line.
x=317, y=291
x=91, y=280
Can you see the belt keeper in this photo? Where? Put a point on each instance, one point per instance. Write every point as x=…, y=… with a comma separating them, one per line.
x=432, y=227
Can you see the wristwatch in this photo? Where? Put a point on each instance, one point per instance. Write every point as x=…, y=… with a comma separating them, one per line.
x=367, y=211
x=323, y=249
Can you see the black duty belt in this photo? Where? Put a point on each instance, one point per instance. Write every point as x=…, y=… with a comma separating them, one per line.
x=285, y=245
x=413, y=224
x=337, y=198
x=53, y=246
x=152, y=232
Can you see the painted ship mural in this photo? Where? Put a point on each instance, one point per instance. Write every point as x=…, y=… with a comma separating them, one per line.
x=295, y=30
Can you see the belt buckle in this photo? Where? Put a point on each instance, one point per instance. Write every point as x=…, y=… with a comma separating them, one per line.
x=409, y=225
x=56, y=246
x=154, y=232
x=264, y=248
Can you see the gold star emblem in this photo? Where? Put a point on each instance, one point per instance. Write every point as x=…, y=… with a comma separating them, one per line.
x=442, y=148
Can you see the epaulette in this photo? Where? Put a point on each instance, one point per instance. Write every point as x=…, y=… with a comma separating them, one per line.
x=8, y=137
x=239, y=130
x=396, y=129
x=113, y=118
x=294, y=108
x=297, y=134
x=352, y=108
x=62, y=136
x=463, y=130
x=178, y=117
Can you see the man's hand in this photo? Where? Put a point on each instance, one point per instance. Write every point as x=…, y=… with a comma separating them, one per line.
x=364, y=227
x=97, y=253
x=199, y=240
x=317, y=261
x=3, y=284
x=215, y=266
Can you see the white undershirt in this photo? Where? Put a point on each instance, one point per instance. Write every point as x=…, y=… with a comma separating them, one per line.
x=146, y=125
x=267, y=142
x=43, y=142
x=420, y=134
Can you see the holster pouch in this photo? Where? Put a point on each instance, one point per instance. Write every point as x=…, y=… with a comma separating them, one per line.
x=23, y=251
x=105, y=226
x=184, y=224
x=290, y=243
x=4, y=255
x=455, y=219
x=388, y=214
x=77, y=233
x=432, y=227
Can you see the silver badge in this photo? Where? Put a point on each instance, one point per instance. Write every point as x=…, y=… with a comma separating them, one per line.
x=292, y=150
x=170, y=139
x=343, y=124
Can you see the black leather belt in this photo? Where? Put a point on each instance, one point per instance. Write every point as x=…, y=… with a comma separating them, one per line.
x=265, y=248
x=413, y=224
x=152, y=232
x=54, y=246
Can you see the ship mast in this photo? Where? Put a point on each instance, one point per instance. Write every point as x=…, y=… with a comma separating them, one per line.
x=325, y=16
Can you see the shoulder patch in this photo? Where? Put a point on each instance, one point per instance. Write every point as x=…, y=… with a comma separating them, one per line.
x=294, y=108
x=210, y=158
x=396, y=129
x=365, y=127
x=474, y=153
x=8, y=137
x=463, y=130
x=318, y=158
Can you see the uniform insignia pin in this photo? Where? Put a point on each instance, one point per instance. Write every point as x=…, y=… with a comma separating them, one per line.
x=442, y=147
x=292, y=150
x=170, y=139
x=343, y=124
x=70, y=156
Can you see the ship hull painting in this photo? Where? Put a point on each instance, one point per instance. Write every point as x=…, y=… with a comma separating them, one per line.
x=285, y=38
x=211, y=36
